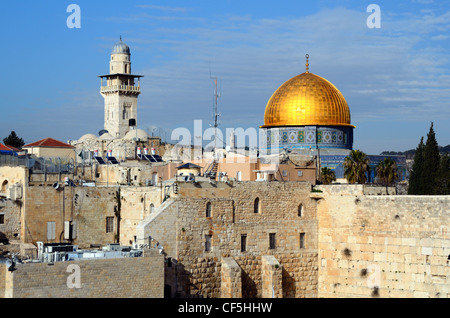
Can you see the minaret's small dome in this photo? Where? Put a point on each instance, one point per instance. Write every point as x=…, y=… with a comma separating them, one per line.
x=120, y=48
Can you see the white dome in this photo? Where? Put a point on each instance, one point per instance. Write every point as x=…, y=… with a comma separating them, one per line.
x=106, y=136
x=141, y=134
x=88, y=136
x=121, y=48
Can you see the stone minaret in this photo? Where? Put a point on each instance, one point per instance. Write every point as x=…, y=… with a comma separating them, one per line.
x=120, y=92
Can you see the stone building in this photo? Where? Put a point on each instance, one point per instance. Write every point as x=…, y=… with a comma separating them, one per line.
x=241, y=225
x=289, y=239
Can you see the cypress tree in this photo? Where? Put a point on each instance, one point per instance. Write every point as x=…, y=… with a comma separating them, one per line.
x=431, y=162
x=416, y=178
x=443, y=178
x=13, y=140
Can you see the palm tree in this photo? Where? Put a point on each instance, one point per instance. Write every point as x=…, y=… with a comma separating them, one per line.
x=387, y=171
x=327, y=175
x=356, y=164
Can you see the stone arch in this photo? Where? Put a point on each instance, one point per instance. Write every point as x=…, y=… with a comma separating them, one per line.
x=4, y=186
x=257, y=206
x=301, y=210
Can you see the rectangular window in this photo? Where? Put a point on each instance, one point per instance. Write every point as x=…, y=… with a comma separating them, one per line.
x=272, y=242
x=109, y=224
x=284, y=173
x=2, y=219
x=243, y=243
x=208, y=239
x=302, y=240
x=300, y=173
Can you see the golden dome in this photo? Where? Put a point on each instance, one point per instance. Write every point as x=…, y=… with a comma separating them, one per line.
x=307, y=99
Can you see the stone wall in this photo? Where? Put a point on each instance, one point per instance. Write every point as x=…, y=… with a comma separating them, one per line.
x=233, y=216
x=3, y=270
x=272, y=278
x=87, y=208
x=231, y=279
x=161, y=227
x=141, y=277
x=383, y=246
x=10, y=226
x=137, y=203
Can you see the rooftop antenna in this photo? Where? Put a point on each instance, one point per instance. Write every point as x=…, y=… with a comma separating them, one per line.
x=216, y=115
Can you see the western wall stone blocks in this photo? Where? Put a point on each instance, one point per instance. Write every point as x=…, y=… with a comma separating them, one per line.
x=409, y=244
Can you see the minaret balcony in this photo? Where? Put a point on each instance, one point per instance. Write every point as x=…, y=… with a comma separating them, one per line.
x=120, y=88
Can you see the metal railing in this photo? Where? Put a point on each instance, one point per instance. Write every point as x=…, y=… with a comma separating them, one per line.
x=15, y=161
x=116, y=88
x=40, y=165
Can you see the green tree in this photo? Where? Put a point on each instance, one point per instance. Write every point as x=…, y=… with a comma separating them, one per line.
x=13, y=140
x=327, y=175
x=443, y=178
x=387, y=171
x=416, y=177
x=356, y=164
x=431, y=161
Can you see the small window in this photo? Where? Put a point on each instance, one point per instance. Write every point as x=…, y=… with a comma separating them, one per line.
x=2, y=219
x=301, y=210
x=4, y=186
x=208, y=245
x=256, y=206
x=272, y=241
x=302, y=240
x=243, y=243
x=284, y=173
x=109, y=224
x=152, y=208
x=300, y=173
x=208, y=209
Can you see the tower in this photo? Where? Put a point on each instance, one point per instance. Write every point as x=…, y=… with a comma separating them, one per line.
x=120, y=92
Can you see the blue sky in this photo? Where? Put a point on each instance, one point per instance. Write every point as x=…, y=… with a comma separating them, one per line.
x=396, y=79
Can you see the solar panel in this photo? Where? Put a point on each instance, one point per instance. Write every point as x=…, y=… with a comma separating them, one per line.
x=113, y=160
x=152, y=158
x=157, y=158
x=100, y=160
x=149, y=158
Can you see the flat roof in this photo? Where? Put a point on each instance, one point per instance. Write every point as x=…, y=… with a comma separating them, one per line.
x=120, y=74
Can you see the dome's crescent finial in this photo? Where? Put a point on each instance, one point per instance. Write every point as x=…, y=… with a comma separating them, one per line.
x=307, y=63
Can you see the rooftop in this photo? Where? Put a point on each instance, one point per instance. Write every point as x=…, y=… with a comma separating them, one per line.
x=48, y=142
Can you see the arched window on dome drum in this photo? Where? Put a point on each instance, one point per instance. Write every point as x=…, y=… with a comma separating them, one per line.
x=301, y=210
x=208, y=209
x=152, y=208
x=256, y=207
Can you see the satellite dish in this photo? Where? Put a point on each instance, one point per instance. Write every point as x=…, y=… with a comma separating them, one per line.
x=102, y=132
x=56, y=185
